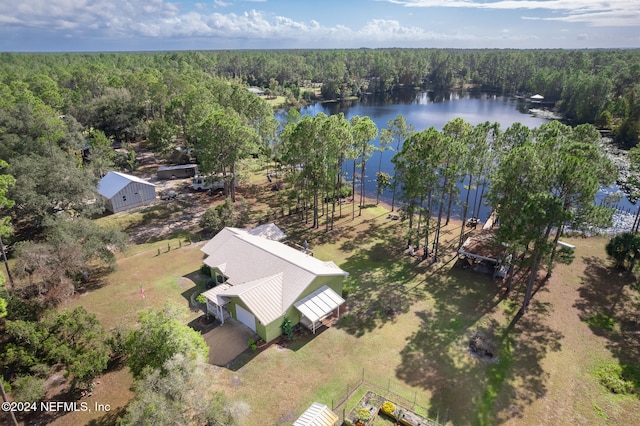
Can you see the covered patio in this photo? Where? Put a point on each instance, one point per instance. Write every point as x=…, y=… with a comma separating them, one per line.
x=317, y=306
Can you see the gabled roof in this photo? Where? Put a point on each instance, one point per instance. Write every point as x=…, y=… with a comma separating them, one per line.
x=266, y=275
x=269, y=231
x=113, y=182
x=317, y=415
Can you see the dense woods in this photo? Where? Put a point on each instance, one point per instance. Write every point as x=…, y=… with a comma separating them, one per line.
x=68, y=119
x=118, y=92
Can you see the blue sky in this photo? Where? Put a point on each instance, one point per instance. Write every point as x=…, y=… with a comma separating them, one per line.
x=126, y=25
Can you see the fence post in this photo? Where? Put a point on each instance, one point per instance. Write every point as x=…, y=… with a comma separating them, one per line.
x=415, y=395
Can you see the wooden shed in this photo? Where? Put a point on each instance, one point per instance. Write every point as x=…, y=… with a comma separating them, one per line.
x=123, y=192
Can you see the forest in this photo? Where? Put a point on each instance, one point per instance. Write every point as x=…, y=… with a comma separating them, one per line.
x=67, y=119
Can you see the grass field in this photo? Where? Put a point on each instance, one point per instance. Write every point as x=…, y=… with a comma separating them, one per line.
x=407, y=329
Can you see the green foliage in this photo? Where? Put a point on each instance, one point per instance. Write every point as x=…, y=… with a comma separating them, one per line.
x=287, y=328
x=364, y=415
x=28, y=389
x=74, y=338
x=201, y=298
x=178, y=393
x=161, y=336
x=624, y=249
x=205, y=269
x=601, y=321
x=619, y=379
x=227, y=214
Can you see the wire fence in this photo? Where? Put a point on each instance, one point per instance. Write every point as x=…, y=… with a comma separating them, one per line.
x=388, y=390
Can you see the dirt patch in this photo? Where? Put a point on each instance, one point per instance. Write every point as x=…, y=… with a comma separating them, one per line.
x=483, y=348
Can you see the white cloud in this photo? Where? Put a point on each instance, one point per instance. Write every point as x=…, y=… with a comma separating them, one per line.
x=592, y=12
x=164, y=20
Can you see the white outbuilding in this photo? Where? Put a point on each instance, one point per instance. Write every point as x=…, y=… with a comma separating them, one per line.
x=124, y=192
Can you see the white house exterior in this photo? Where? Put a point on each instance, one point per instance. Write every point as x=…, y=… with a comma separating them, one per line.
x=124, y=192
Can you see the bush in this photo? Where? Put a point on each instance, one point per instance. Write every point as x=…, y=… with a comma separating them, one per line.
x=388, y=407
x=364, y=415
x=618, y=379
x=28, y=389
x=287, y=328
x=201, y=299
x=205, y=269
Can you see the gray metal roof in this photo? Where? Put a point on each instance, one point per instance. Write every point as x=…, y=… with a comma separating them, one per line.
x=266, y=275
x=113, y=182
x=179, y=167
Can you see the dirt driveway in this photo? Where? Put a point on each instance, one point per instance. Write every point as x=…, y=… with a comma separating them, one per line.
x=228, y=341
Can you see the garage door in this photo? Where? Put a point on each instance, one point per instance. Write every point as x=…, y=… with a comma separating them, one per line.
x=246, y=317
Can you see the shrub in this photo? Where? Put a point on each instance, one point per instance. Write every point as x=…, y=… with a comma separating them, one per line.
x=28, y=389
x=364, y=415
x=287, y=328
x=205, y=269
x=388, y=407
x=201, y=299
x=617, y=379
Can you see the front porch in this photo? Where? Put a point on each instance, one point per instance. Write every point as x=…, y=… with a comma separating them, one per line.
x=216, y=303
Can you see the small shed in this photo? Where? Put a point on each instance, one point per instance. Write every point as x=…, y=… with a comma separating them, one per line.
x=257, y=91
x=537, y=97
x=317, y=415
x=178, y=172
x=124, y=192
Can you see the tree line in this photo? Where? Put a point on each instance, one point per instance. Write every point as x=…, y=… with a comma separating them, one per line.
x=587, y=86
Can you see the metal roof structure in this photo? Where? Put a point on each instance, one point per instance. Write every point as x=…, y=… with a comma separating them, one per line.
x=317, y=415
x=319, y=304
x=113, y=182
x=178, y=167
x=269, y=231
x=266, y=275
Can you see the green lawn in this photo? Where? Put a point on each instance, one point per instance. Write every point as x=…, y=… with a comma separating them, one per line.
x=408, y=327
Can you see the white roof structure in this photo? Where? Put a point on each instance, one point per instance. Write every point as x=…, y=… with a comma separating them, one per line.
x=266, y=275
x=319, y=304
x=537, y=97
x=317, y=415
x=113, y=182
x=269, y=231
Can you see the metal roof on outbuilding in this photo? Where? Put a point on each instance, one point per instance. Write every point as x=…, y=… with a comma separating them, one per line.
x=113, y=182
x=317, y=415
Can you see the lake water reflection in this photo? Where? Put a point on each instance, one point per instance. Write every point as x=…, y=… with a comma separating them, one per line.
x=426, y=109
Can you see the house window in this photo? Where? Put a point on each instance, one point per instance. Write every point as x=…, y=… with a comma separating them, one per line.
x=124, y=198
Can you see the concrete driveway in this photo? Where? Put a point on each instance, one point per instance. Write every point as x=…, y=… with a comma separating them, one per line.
x=228, y=341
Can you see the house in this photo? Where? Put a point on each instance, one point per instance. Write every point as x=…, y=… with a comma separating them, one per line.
x=261, y=281
x=177, y=172
x=124, y=192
